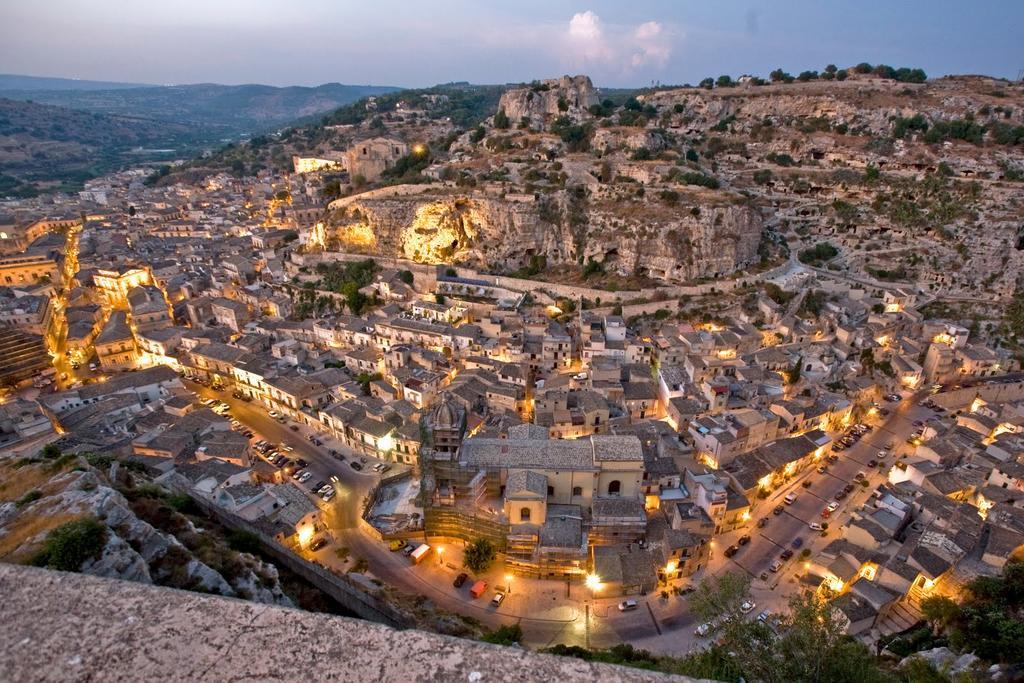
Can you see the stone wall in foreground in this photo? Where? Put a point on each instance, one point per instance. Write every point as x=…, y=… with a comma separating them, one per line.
x=72, y=627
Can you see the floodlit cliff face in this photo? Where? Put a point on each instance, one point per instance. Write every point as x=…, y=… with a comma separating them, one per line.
x=568, y=227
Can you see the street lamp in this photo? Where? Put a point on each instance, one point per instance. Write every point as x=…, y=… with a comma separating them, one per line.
x=440, y=555
x=508, y=582
x=593, y=582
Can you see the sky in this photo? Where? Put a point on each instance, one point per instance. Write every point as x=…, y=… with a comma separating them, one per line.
x=423, y=42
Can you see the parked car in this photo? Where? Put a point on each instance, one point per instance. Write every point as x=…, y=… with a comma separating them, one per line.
x=301, y=462
x=294, y=428
x=305, y=476
x=274, y=414
x=762, y=523
x=397, y=544
x=872, y=463
x=356, y=466
x=747, y=606
x=328, y=494
x=788, y=500
x=806, y=483
x=743, y=540
x=763, y=616
x=409, y=549
x=778, y=510
x=786, y=554
x=815, y=526
x=833, y=506
x=732, y=550
x=627, y=605
x=822, y=469
x=298, y=473
x=460, y=579
x=317, y=544
x=797, y=542
x=776, y=565
x=497, y=599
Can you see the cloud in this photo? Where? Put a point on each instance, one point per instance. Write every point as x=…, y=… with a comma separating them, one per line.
x=587, y=39
x=593, y=44
x=585, y=26
x=652, y=45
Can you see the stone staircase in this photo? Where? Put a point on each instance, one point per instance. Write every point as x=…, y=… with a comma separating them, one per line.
x=901, y=616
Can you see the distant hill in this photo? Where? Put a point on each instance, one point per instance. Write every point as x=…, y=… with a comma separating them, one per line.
x=46, y=147
x=224, y=110
x=19, y=82
x=58, y=132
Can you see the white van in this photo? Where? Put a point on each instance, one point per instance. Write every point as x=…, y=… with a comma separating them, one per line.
x=790, y=498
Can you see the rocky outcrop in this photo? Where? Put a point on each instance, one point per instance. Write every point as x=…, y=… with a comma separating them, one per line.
x=710, y=234
x=546, y=100
x=135, y=550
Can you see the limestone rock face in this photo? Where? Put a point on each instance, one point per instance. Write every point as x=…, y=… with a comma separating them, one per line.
x=136, y=550
x=540, y=102
x=441, y=225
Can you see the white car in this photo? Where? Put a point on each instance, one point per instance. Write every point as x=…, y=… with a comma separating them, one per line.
x=274, y=414
x=703, y=630
x=627, y=605
x=815, y=526
x=748, y=606
x=833, y=506
x=305, y=476
x=763, y=616
x=324, y=489
x=496, y=600
x=327, y=495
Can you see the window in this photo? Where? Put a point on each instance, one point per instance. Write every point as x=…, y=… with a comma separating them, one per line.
x=577, y=490
x=551, y=490
x=524, y=514
x=614, y=487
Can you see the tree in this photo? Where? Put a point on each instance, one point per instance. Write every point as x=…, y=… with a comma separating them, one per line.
x=724, y=81
x=406, y=276
x=478, y=134
x=50, y=452
x=720, y=597
x=501, y=119
x=793, y=374
x=707, y=83
x=69, y=545
x=479, y=555
x=940, y=611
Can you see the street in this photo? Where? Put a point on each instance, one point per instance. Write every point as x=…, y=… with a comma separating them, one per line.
x=551, y=612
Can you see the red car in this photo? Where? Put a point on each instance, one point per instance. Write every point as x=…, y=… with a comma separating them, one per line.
x=825, y=514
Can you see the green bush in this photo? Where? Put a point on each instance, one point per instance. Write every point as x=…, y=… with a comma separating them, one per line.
x=509, y=634
x=71, y=544
x=29, y=497
x=244, y=542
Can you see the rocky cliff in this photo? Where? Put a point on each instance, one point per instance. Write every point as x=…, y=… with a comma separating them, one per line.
x=146, y=539
x=545, y=100
x=701, y=236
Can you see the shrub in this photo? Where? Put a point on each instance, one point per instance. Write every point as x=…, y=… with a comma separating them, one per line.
x=29, y=497
x=508, y=634
x=68, y=546
x=244, y=542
